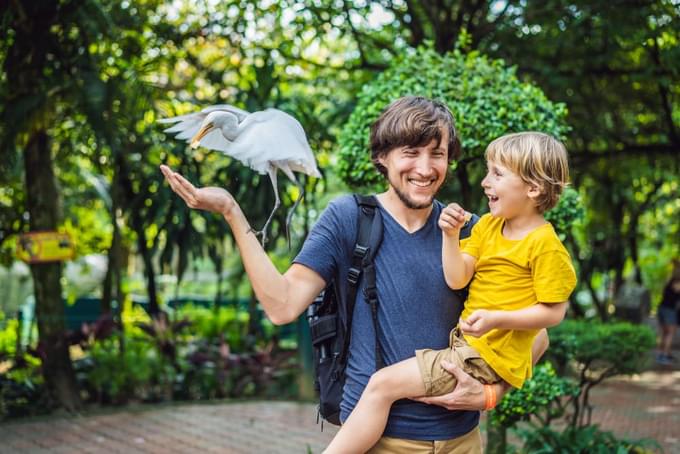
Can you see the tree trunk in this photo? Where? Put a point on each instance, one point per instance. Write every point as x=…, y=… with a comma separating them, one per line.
x=112, y=287
x=143, y=250
x=43, y=208
x=134, y=205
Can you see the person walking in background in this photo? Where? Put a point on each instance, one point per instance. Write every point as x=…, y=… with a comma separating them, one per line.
x=668, y=315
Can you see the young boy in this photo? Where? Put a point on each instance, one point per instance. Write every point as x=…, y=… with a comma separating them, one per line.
x=523, y=277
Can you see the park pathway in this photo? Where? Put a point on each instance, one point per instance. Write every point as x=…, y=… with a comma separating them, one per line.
x=647, y=405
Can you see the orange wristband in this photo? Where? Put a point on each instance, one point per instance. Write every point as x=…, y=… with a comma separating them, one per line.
x=490, y=397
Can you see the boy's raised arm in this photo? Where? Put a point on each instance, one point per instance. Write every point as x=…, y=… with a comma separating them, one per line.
x=458, y=267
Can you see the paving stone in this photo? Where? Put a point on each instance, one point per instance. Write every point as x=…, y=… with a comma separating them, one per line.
x=644, y=406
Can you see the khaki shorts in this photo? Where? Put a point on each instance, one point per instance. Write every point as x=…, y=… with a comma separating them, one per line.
x=437, y=380
x=470, y=443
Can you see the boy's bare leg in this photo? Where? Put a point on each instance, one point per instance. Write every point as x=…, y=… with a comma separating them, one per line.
x=366, y=423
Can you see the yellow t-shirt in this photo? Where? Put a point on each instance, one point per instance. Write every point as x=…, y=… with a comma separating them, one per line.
x=511, y=275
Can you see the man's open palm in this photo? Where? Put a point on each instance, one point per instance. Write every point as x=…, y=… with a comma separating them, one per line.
x=216, y=200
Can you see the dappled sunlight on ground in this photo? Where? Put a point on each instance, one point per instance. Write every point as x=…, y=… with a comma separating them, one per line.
x=641, y=406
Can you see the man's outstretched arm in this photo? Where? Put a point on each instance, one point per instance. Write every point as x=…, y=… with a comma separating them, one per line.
x=283, y=296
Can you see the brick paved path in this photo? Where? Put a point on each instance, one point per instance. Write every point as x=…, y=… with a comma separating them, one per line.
x=643, y=406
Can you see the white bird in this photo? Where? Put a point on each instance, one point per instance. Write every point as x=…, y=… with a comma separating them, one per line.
x=264, y=141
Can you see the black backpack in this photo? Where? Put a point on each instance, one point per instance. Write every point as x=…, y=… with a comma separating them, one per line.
x=330, y=317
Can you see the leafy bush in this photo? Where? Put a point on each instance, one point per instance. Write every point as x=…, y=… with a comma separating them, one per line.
x=539, y=397
x=485, y=96
x=228, y=323
x=22, y=387
x=566, y=213
x=595, y=351
x=582, y=354
x=112, y=376
x=579, y=440
x=23, y=393
x=220, y=360
x=190, y=356
x=8, y=336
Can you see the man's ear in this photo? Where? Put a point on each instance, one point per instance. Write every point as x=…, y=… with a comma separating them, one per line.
x=381, y=158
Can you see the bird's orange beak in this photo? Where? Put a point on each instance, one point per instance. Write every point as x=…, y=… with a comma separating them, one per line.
x=196, y=140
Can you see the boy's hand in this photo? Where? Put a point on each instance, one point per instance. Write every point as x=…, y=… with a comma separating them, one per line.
x=453, y=218
x=212, y=199
x=479, y=322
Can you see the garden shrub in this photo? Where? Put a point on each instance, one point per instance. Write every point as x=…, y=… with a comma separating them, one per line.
x=582, y=354
x=580, y=440
x=595, y=349
x=197, y=354
x=138, y=372
x=566, y=213
x=485, y=96
x=22, y=387
x=539, y=397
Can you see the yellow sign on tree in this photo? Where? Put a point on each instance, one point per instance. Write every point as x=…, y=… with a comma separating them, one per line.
x=41, y=247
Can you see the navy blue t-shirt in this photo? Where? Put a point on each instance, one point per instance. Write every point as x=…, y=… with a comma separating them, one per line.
x=416, y=310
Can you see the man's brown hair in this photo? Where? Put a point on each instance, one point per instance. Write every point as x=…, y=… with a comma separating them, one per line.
x=412, y=121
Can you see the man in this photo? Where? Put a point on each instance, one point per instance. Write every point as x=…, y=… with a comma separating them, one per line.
x=412, y=144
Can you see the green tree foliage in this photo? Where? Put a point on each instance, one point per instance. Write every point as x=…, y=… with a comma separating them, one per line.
x=615, y=68
x=617, y=71
x=485, y=96
x=567, y=213
x=590, y=439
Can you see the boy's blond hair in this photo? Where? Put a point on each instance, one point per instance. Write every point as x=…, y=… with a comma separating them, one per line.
x=538, y=158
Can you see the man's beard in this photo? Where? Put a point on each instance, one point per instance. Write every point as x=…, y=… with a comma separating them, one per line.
x=410, y=203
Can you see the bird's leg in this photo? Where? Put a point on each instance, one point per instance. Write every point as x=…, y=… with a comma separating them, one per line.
x=272, y=176
x=285, y=168
x=289, y=216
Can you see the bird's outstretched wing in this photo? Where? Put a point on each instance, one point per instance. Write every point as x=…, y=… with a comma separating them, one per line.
x=273, y=138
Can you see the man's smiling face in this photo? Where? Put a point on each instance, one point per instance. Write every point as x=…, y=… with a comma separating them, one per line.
x=417, y=173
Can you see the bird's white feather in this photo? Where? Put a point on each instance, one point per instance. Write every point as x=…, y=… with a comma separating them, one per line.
x=240, y=113
x=262, y=139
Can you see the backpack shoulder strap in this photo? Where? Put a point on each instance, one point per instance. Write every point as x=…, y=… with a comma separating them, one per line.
x=368, y=204
x=369, y=234
x=368, y=239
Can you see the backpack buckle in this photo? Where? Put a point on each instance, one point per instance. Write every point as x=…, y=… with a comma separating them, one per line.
x=360, y=251
x=371, y=294
x=353, y=275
